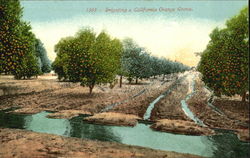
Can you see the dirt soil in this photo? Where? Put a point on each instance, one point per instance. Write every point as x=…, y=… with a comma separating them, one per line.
x=66, y=95
x=181, y=127
x=68, y=114
x=70, y=99
x=170, y=106
x=234, y=116
x=23, y=144
x=111, y=118
x=139, y=105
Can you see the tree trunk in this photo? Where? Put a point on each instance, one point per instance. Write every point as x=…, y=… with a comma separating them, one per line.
x=121, y=81
x=136, y=80
x=243, y=99
x=91, y=89
x=163, y=77
x=130, y=80
x=154, y=77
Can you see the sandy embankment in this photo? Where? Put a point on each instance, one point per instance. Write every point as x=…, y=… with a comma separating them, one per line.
x=111, y=118
x=181, y=127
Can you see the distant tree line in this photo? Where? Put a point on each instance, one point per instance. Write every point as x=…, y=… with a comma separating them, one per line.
x=21, y=53
x=137, y=63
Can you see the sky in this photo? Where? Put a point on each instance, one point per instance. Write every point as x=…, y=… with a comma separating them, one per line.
x=170, y=29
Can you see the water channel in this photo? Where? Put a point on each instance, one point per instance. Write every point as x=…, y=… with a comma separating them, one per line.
x=224, y=144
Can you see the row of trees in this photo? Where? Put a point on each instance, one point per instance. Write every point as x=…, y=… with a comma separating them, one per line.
x=137, y=63
x=43, y=60
x=224, y=63
x=21, y=53
x=93, y=59
x=87, y=58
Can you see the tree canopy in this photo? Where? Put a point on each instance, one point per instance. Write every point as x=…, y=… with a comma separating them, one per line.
x=29, y=64
x=18, y=48
x=88, y=58
x=13, y=43
x=224, y=63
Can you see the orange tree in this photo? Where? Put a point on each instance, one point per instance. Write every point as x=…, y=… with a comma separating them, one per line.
x=224, y=63
x=29, y=65
x=17, y=53
x=12, y=44
x=88, y=59
x=62, y=48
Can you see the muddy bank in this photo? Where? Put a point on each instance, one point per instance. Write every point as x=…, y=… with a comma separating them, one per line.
x=20, y=143
x=112, y=118
x=181, y=127
x=243, y=134
x=67, y=114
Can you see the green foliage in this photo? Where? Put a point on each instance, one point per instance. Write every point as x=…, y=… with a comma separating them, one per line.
x=12, y=44
x=62, y=48
x=41, y=53
x=88, y=58
x=17, y=53
x=224, y=63
x=29, y=64
x=137, y=63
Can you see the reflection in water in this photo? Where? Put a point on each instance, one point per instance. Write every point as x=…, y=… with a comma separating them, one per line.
x=12, y=121
x=40, y=123
x=229, y=146
x=81, y=129
x=225, y=145
x=142, y=135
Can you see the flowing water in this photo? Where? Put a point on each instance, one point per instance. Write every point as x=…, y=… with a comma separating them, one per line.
x=151, y=106
x=224, y=145
x=184, y=104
